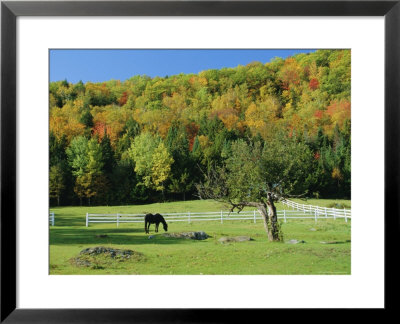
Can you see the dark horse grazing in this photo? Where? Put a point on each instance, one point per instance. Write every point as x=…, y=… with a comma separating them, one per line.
x=154, y=219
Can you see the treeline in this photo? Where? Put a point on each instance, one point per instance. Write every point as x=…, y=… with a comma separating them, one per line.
x=152, y=139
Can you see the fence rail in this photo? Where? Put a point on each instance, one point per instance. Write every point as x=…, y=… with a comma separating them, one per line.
x=319, y=211
x=52, y=218
x=221, y=216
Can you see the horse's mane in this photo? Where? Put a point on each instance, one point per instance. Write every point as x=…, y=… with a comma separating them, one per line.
x=161, y=218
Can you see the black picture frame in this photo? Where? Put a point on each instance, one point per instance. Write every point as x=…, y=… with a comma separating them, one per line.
x=10, y=10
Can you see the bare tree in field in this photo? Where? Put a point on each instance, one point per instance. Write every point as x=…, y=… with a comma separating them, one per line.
x=257, y=175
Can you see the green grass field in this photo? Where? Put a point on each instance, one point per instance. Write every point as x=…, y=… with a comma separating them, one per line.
x=161, y=255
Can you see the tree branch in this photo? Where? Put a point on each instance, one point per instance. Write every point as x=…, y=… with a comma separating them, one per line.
x=240, y=205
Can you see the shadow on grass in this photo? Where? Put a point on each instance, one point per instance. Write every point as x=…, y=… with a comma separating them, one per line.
x=69, y=221
x=118, y=236
x=335, y=242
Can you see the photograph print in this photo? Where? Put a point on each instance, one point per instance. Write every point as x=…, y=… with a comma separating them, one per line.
x=200, y=161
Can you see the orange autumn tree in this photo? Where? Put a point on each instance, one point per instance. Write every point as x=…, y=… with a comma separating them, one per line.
x=110, y=119
x=339, y=112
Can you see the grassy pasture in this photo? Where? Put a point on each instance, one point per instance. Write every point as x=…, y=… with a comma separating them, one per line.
x=163, y=255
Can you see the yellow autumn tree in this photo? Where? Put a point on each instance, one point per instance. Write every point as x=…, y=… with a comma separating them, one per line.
x=65, y=121
x=260, y=117
x=152, y=160
x=161, y=169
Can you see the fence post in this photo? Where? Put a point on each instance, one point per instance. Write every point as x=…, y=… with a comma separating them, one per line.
x=326, y=213
x=254, y=216
x=87, y=219
x=284, y=215
x=189, y=217
x=221, y=218
x=334, y=213
x=117, y=219
x=345, y=216
x=315, y=216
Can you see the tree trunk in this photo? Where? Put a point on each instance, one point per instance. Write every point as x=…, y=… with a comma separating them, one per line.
x=270, y=219
x=275, y=228
x=262, y=208
x=267, y=210
x=58, y=201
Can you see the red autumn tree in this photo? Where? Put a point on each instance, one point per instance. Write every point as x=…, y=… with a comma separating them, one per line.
x=314, y=84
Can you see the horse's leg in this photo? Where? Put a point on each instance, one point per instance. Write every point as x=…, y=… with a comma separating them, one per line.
x=145, y=227
x=157, y=227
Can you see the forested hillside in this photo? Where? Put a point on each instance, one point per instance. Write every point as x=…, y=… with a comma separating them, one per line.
x=150, y=139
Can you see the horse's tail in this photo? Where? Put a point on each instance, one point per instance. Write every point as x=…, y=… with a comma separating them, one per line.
x=146, y=220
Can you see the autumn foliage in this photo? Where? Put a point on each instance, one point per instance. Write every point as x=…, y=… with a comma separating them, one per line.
x=306, y=96
x=314, y=84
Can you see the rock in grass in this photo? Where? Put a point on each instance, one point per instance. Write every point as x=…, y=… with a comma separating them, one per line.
x=295, y=242
x=100, y=257
x=79, y=262
x=188, y=235
x=108, y=252
x=226, y=239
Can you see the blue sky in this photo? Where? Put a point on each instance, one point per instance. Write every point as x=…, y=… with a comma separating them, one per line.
x=103, y=65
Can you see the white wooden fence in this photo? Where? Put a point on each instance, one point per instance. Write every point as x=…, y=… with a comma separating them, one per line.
x=52, y=218
x=221, y=216
x=319, y=211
